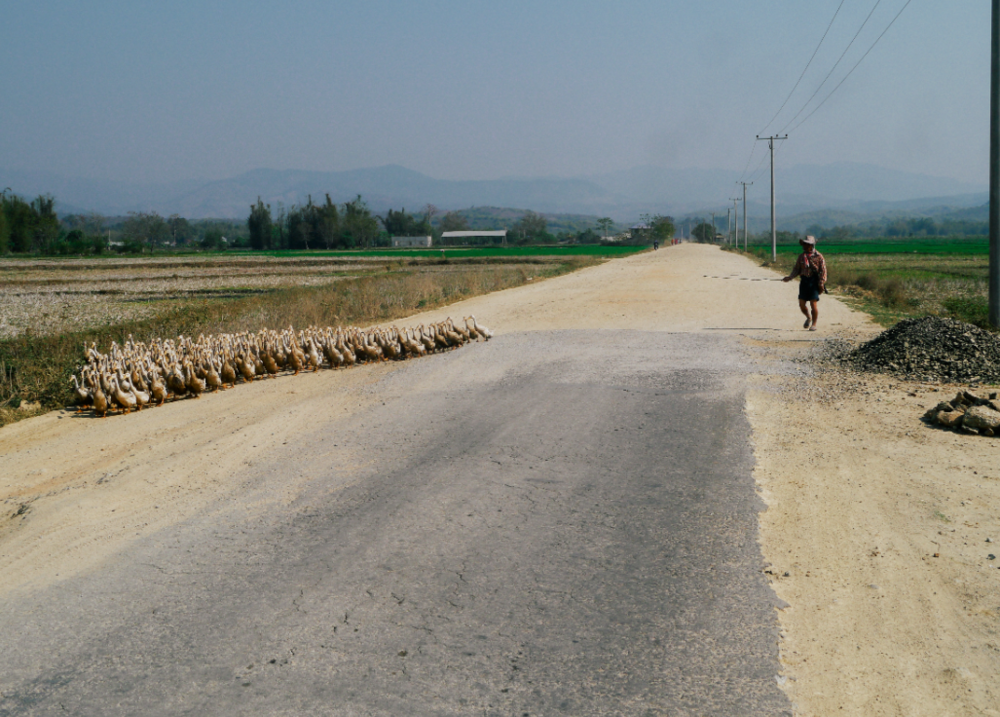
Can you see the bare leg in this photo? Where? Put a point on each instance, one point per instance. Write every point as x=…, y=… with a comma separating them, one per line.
x=805, y=310
x=815, y=312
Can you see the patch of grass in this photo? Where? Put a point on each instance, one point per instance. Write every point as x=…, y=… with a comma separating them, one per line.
x=941, y=516
x=899, y=279
x=971, y=309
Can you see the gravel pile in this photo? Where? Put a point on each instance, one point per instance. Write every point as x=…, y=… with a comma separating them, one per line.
x=932, y=349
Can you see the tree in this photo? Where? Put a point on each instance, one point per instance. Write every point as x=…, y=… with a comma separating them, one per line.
x=180, y=230
x=281, y=240
x=531, y=227
x=328, y=224
x=704, y=232
x=302, y=223
x=213, y=239
x=454, y=222
x=145, y=229
x=430, y=211
x=78, y=243
x=4, y=226
x=46, y=224
x=401, y=224
x=359, y=226
x=605, y=224
x=662, y=228
x=259, y=224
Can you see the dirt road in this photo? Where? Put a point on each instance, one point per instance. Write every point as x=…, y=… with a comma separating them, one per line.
x=99, y=509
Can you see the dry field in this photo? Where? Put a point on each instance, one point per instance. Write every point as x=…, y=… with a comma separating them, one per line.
x=50, y=308
x=48, y=296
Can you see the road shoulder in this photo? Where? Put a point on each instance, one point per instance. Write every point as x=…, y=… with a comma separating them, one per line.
x=876, y=534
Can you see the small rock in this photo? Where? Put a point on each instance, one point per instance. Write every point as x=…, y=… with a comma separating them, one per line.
x=991, y=556
x=972, y=398
x=989, y=540
x=981, y=417
x=932, y=415
x=788, y=575
x=951, y=419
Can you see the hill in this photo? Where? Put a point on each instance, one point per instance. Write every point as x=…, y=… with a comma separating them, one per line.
x=622, y=195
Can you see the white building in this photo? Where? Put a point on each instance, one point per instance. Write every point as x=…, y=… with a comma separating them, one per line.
x=411, y=241
x=458, y=237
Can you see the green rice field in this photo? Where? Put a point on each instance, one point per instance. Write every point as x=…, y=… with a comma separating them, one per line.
x=456, y=252
x=957, y=246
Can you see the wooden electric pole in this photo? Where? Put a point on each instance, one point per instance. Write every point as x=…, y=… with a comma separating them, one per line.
x=774, y=230
x=736, y=220
x=744, y=215
x=994, y=300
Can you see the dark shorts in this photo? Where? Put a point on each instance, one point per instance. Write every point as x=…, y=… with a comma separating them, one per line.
x=809, y=288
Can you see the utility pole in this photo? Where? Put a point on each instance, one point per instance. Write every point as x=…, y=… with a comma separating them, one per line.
x=994, y=300
x=729, y=226
x=744, y=216
x=713, y=227
x=736, y=220
x=774, y=231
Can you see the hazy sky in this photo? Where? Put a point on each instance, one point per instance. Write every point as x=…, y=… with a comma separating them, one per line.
x=145, y=91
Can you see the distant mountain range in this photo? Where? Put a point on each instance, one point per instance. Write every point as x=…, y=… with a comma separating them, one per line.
x=840, y=193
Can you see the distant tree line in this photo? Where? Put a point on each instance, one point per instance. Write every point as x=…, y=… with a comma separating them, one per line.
x=903, y=227
x=316, y=226
x=34, y=228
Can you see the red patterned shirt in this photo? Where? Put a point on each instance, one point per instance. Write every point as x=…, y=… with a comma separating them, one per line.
x=810, y=265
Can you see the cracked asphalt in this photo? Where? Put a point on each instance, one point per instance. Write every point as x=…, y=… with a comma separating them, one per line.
x=554, y=522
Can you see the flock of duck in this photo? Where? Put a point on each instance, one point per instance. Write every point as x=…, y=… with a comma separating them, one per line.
x=137, y=374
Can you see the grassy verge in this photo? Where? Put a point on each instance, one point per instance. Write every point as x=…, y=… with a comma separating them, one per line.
x=937, y=278
x=37, y=369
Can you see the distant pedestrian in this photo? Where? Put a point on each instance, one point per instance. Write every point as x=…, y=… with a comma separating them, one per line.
x=811, y=267
x=656, y=244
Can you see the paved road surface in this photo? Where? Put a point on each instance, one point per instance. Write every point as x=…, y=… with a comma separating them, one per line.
x=549, y=523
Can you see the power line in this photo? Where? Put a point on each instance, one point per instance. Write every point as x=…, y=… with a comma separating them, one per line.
x=803, y=73
x=753, y=148
x=853, y=68
x=749, y=159
x=757, y=171
x=835, y=66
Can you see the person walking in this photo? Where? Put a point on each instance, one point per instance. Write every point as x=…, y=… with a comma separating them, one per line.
x=811, y=267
